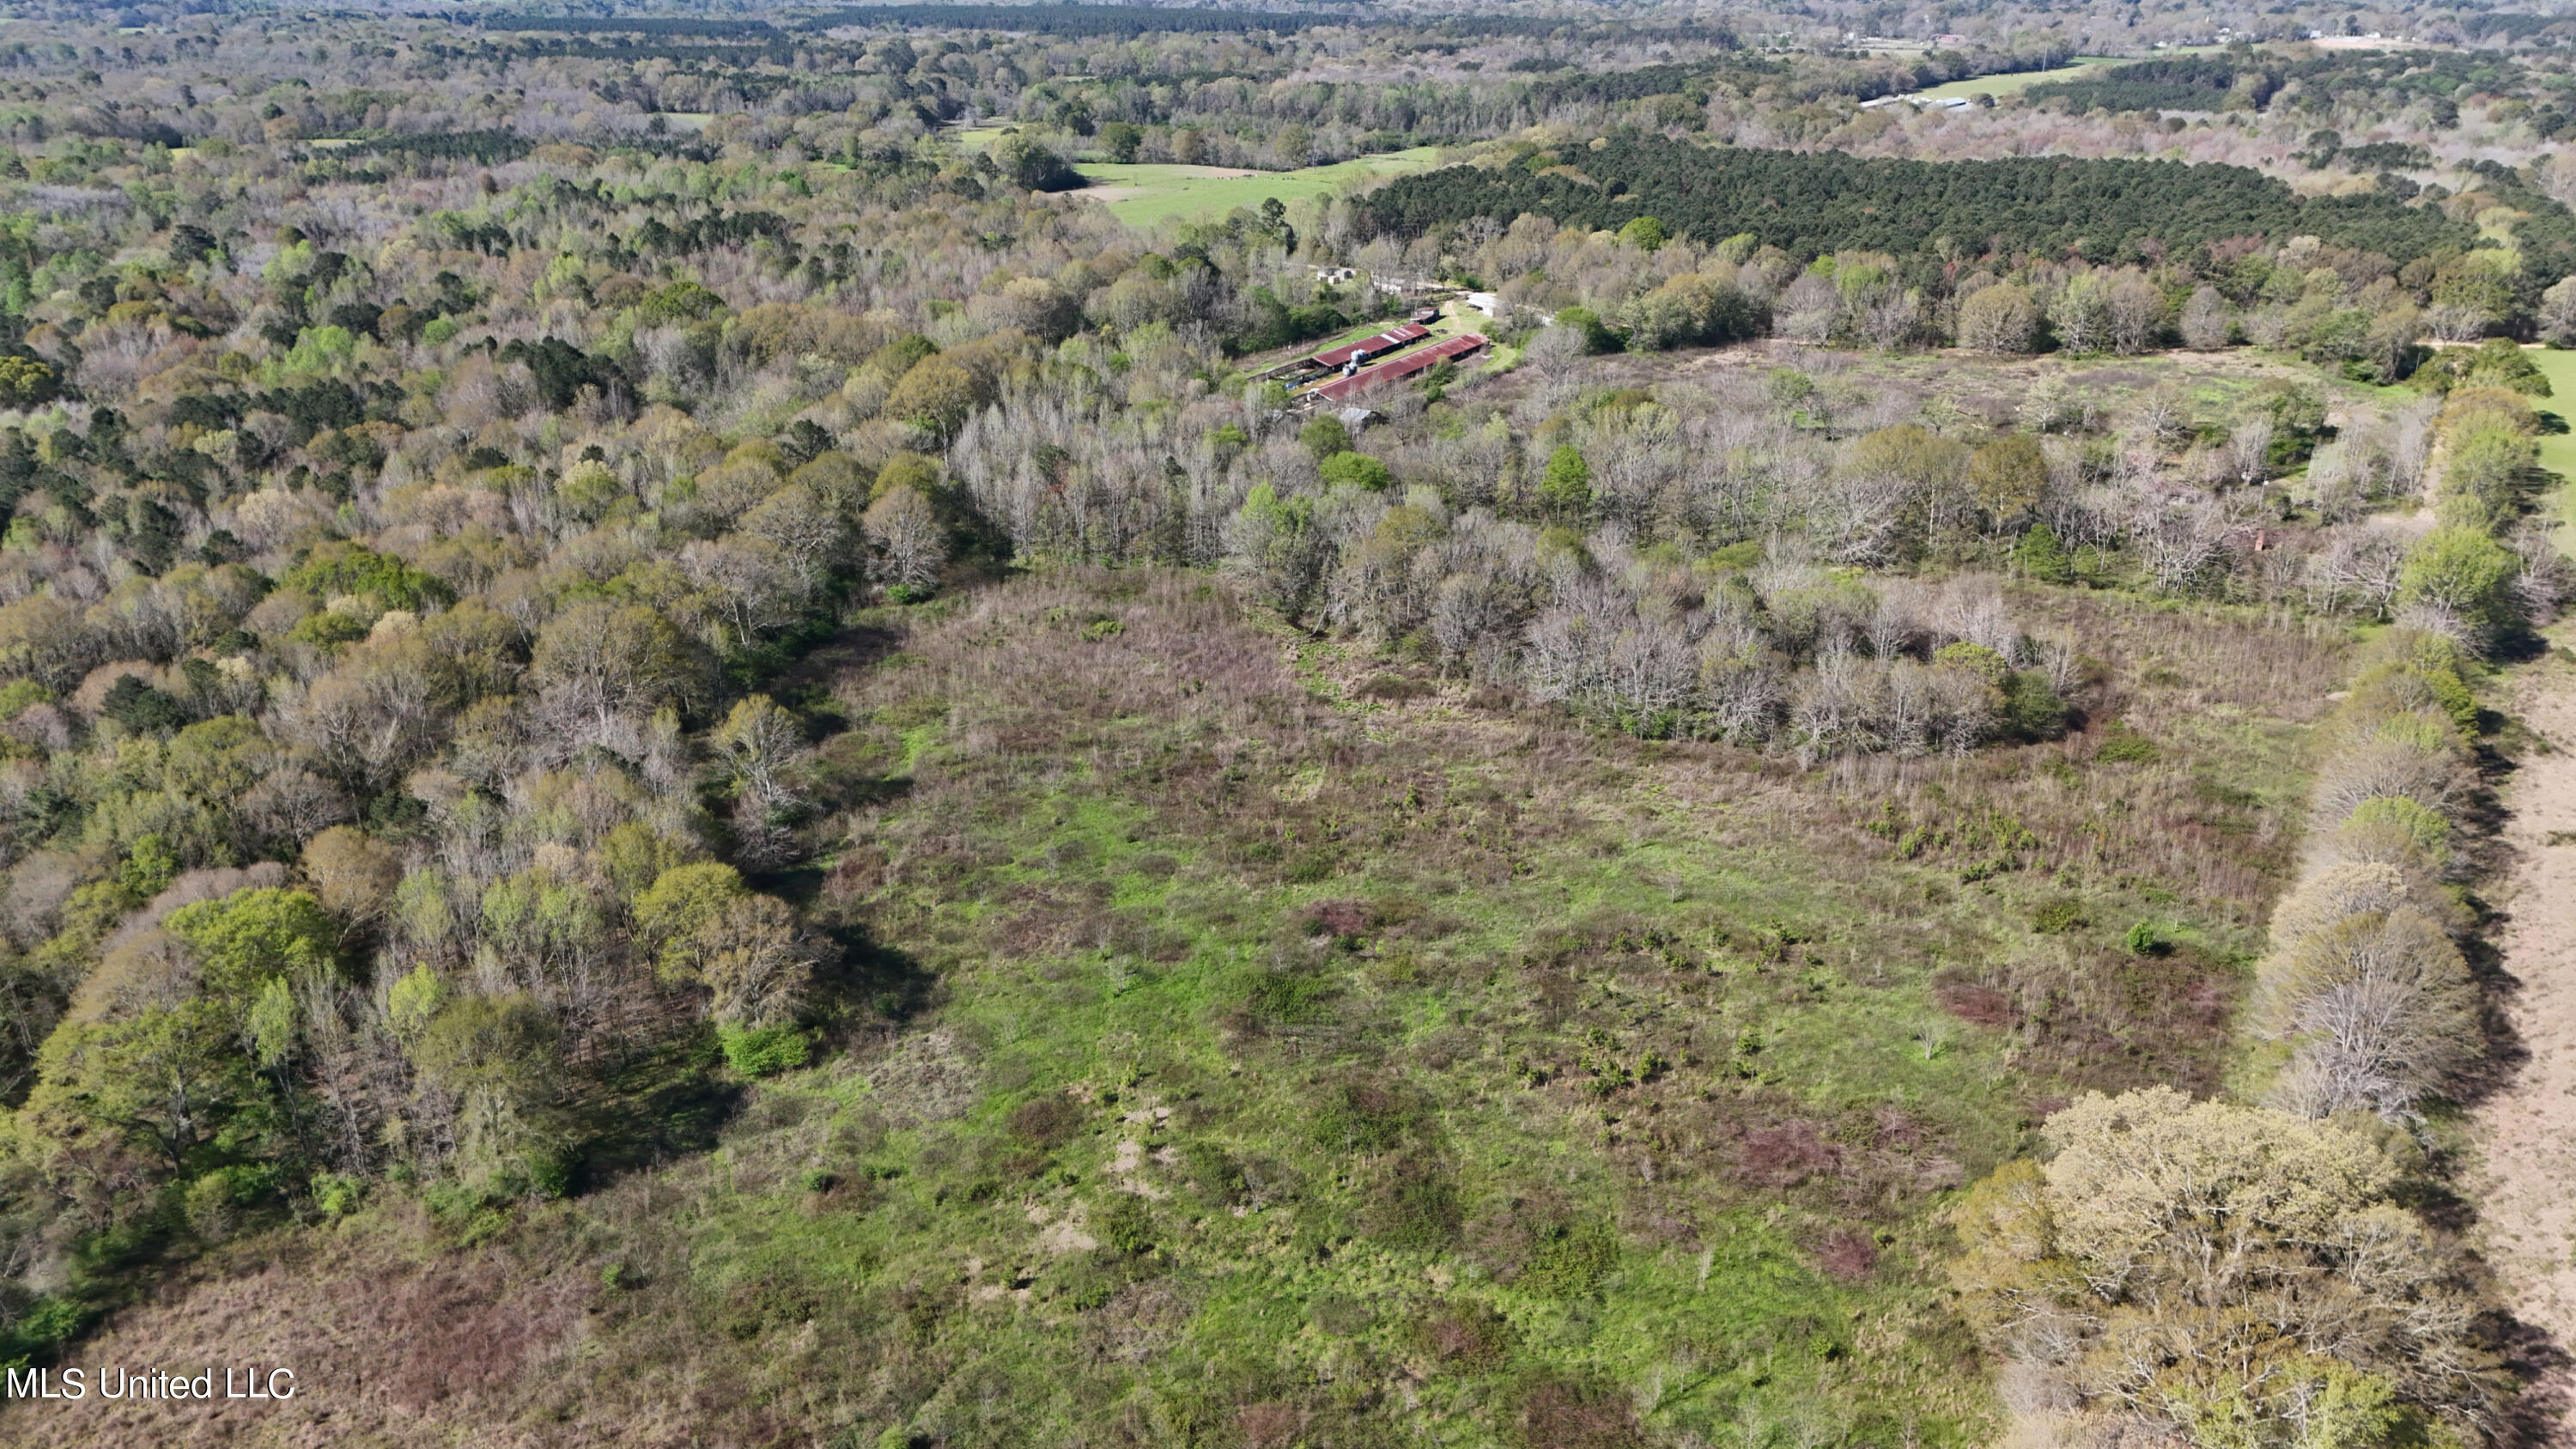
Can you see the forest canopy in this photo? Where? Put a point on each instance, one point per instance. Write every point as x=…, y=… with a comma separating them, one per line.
x=1808, y=203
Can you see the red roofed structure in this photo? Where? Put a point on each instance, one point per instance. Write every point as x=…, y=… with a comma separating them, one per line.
x=1412, y=364
x=1368, y=347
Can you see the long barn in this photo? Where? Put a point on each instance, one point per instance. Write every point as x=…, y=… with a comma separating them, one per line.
x=1368, y=347
x=1410, y=365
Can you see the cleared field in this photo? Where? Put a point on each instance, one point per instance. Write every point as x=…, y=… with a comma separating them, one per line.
x=1145, y=194
x=2558, y=448
x=2000, y=86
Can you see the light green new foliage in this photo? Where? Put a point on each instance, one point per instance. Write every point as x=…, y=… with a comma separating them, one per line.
x=414, y=1001
x=253, y=936
x=2461, y=569
x=541, y=914
x=272, y=1022
x=2421, y=826
x=680, y=906
x=424, y=907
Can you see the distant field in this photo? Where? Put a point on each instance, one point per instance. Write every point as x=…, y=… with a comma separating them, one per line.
x=2000, y=86
x=2558, y=449
x=1143, y=195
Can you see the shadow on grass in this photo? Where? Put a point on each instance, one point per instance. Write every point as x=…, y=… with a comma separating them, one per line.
x=658, y=1104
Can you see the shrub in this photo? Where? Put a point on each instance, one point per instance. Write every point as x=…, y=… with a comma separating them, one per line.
x=1126, y=1226
x=1364, y=1117
x=2124, y=746
x=2040, y=556
x=1217, y=1175
x=2144, y=939
x=1416, y=1207
x=1046, y=1123
x=2032, y=709
x=1359, y=470
x=336, y=1195
x=764, y=1051
x=1325, y=437
x=1573, y=1259
x=2056, y=918
x=213, y=1206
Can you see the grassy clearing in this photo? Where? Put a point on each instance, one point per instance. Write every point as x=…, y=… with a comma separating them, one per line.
x=1147, y=194
x=1312, y=1047
x=2558, y=447
x=2000, y=86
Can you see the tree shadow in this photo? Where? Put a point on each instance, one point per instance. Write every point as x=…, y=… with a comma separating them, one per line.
x=2537, y=1417
x=868, y=981
x=655, y=1105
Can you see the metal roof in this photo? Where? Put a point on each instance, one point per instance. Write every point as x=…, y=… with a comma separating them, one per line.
x=1366, y=347
x=1411, y=364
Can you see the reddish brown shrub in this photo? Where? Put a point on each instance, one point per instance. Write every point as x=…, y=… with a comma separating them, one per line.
x=1046, y=1123
x=1848, y=1255
x=1980, y=1005
x=1562, y=1415
x=1270, y=1426
x=1339, y=918
x=1787, y=1155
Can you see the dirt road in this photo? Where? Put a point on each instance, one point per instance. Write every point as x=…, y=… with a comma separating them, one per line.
x=2526, y=1183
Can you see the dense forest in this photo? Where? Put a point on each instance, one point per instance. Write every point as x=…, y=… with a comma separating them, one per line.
x=1810, y=202
x=674, y=710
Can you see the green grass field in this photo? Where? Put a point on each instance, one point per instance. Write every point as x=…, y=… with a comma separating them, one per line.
x=1146, y=194
x=2558, y=449
x=2000, y=86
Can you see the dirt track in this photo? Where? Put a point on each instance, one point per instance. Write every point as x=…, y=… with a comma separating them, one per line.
x=2526, y=1184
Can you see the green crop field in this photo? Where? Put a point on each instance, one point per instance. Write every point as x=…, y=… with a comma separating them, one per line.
x=1145, y=194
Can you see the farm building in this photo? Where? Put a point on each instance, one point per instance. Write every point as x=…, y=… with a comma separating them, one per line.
x=1412, y=364
x=1368, y=347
